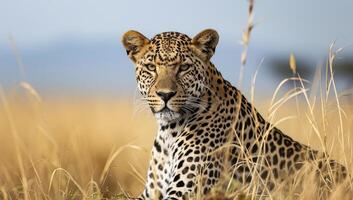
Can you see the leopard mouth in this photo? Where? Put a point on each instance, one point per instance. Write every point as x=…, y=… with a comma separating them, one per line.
x=164, y=110
x=166, y=114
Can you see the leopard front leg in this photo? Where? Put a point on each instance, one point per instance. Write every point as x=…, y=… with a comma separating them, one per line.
x=193, y=173
x=149, y=191
x=157, y=179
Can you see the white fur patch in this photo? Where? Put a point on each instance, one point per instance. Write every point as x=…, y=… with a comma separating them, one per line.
x=166, y=116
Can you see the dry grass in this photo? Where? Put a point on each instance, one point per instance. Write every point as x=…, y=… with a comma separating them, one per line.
x=99, y=148
x=72, y=148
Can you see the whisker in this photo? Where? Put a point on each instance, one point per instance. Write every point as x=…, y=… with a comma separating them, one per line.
x=187, y=109
x=194, y=104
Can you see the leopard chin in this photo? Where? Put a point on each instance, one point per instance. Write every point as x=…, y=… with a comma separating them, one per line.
x=166, y=115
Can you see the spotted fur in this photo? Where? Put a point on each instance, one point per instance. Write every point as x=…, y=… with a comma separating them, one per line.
x=206, y=127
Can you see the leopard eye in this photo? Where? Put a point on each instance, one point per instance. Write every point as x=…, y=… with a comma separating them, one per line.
x=151, y=67
x=184, y=67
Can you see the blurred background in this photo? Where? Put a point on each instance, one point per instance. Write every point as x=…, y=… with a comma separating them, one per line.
x=73, y=124
x=73, y=47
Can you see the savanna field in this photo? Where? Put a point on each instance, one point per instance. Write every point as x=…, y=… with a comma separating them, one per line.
x=73, y=127
x=57, y=147
x=98, y=148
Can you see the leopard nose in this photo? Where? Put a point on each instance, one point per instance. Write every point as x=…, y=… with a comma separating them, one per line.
x=165, y=96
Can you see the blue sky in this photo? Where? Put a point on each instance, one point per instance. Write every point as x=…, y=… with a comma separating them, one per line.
x=74, y=45
x=289, y=23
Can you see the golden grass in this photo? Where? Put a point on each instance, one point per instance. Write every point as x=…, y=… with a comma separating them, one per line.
x=95, y=148
x=71, y=148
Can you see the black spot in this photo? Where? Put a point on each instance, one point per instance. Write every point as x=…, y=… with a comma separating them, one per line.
x=204, y=124
x=247, y=122
x=180, y=184
x=164, y=127
x=176, y=178
x=180, y=143
x=193, y=127
x=151, y=175
x=159, y=184
x=232, y=101
x=297, y=146
x=190, y=176
x=231, y=110
x=287, y=142
x=272, y=146
x=269, y=137
x=180, y=164
x=174, y=133
x=274, y=160
x=189, y=184
x=185, y=170
x=188, y=152
x=173, y=125
x=254, y=148
x=165, y=152
x=282, y=152
x=242, y=110
x=157, y=146
x=281, y=164
x=241, y=168
x=254, y=159
x=188, y=137
x=251, y=134
x=179, y=194
x=290, y=152
x=289, y=164
x=298, y=165
x=199, y=132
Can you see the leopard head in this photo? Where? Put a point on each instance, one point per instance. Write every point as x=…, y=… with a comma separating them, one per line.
x=172, y=70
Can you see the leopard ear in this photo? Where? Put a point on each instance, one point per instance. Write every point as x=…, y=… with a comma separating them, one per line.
x=134, y=43
x=204, y=44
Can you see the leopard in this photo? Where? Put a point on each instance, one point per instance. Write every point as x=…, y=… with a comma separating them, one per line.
x=206, y=126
